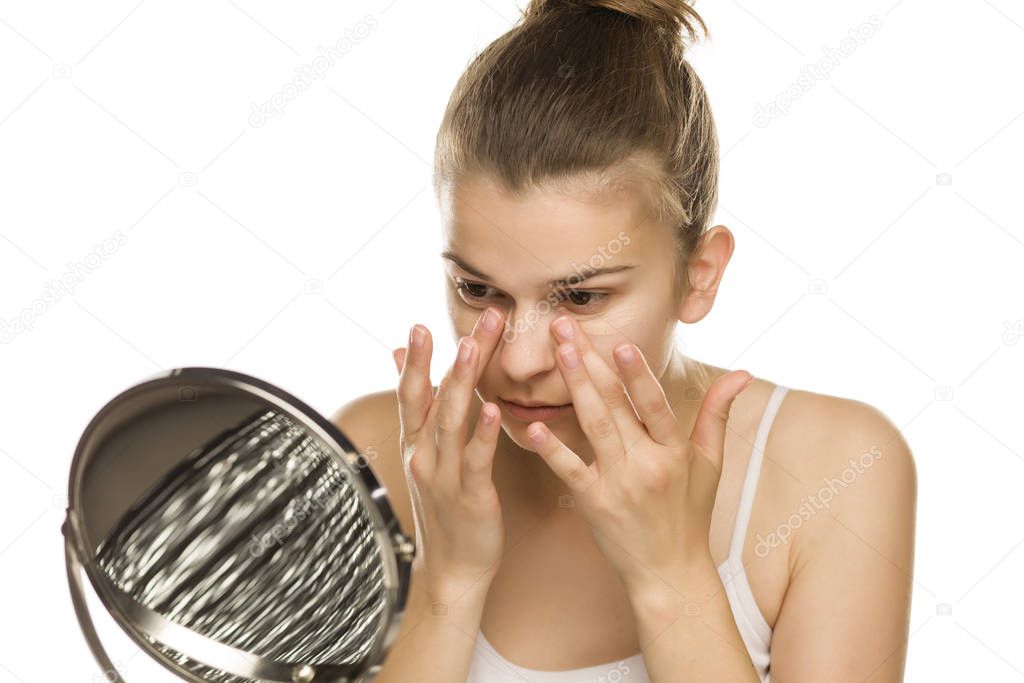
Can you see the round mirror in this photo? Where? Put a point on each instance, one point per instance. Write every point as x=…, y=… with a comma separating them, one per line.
x=234, y=534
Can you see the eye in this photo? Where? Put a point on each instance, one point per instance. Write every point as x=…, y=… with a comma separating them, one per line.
x=582, y=299
x=589, y=299
x=471, y=290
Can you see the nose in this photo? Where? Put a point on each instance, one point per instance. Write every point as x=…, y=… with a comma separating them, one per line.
x=527, y=347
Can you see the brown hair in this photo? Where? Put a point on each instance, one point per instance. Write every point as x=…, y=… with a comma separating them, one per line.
x=590, y=89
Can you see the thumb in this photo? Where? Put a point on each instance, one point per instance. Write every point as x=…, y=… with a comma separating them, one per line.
x=709, y=430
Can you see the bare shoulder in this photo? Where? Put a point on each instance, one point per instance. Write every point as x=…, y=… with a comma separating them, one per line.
x=819, y=435
x=361, y=417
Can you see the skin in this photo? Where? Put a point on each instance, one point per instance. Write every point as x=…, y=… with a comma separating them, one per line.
x=836, y=593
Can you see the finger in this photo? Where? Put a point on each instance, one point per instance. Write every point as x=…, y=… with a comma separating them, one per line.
x=568, y=466
x=415, y=393
x=454, y=396
x=592, y=413
x=398, y=355
x=607, y=382
x=648, y=396
x=478, y=458
x=709, y=430
x=487, y=332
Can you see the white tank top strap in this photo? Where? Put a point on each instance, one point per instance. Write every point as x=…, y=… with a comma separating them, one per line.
x=755, y=631
x=746, y=504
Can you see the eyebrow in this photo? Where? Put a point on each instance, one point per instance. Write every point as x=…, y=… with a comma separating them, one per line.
x=585, y=272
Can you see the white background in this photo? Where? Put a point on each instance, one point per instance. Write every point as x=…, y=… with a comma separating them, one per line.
x=302, y=250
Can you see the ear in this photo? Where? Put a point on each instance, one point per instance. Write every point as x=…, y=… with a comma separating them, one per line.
x=706, y=267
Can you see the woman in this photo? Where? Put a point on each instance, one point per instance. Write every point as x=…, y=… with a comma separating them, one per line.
x=661, y=519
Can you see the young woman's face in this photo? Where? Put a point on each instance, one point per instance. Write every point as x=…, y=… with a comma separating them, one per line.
x=504, y=252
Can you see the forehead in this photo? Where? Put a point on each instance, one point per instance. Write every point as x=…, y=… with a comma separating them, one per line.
x=536, y=235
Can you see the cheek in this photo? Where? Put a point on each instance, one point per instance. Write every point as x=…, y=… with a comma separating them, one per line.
x=461, y=317
x=654, y=337
x=485, y=385
x=622, y=326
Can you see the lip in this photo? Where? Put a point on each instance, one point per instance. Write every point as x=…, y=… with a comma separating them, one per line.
x=532, y=404
x=537, y=413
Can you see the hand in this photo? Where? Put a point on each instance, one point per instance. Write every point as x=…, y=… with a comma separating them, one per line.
x=459, y=529
x=649, y=493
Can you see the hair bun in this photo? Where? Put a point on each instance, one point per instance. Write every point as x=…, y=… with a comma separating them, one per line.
x=671, y=16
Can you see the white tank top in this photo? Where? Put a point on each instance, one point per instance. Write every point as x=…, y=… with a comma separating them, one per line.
x=488, y=666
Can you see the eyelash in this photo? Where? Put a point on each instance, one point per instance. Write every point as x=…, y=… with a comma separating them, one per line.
x=596, y=297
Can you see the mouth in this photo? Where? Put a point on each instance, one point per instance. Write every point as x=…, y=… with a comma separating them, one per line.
x=534, y=413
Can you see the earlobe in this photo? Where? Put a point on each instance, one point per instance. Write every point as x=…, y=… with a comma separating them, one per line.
x=696, y=304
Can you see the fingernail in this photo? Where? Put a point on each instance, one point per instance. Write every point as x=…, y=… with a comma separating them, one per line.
x=563, y=327
x=416, y=337
x=464, y=351
x=537, y=434
x=570, y=357
x=490, y=320
x=625, y=354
